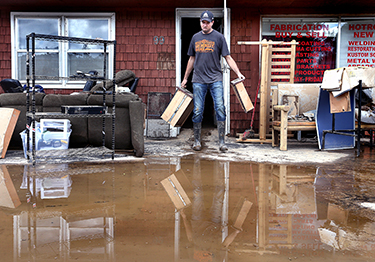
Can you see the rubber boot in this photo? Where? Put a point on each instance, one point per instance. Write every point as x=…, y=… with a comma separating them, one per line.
x=197, y=136
x=221, y=132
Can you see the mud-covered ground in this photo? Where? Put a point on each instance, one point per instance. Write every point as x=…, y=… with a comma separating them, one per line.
x=305, y=151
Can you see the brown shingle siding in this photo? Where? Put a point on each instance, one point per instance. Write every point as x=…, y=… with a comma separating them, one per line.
x=154, y=62
x=5, y=50
x=244, y=27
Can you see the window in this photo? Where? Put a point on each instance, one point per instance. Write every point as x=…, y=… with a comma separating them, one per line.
x=357, y=42
x=58, y=58
x=317, y=38
x=324, y=43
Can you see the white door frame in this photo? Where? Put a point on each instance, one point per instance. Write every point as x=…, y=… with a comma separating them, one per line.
x=195, y=13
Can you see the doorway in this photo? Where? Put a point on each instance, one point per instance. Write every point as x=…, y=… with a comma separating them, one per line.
x=190, y=26
x=187, y=24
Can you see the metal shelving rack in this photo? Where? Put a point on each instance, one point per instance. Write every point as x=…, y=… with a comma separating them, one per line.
x=32, y=115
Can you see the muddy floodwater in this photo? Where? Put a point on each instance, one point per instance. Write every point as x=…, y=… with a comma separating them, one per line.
x=188, y=209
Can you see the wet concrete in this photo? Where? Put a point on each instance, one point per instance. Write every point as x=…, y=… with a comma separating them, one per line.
x=232, y=211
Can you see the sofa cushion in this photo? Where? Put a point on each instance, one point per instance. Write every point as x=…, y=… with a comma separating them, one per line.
x=10, y=99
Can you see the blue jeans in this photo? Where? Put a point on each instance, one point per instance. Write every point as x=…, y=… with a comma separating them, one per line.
x=199, y=95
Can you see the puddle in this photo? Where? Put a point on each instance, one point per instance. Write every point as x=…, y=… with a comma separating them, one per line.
x=186, y=209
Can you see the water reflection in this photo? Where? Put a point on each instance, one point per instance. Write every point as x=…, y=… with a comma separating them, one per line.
x=8, y=194
x=173, y=209
x=42, y=184
x=49, y=226
x=206, y=226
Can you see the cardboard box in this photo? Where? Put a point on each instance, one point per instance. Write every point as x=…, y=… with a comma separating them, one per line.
x=180, y=107
x=341, y=80
x=8, y=120
x=354, y=74
x=242, y=95
x=332, y=79
x=339, y=103
x=175, y=192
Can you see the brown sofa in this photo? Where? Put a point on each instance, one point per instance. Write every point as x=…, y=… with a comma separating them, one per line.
x=87, y=131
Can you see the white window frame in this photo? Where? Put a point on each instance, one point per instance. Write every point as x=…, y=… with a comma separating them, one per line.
x=63, y=57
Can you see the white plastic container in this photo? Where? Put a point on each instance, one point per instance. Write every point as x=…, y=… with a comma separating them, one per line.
x=55, y=125
x=50, y=134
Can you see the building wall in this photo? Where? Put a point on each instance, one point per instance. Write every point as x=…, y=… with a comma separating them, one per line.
x=154, y=62
x=245, y=26
x=5, y=64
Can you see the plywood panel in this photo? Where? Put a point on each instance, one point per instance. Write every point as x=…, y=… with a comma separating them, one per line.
x=179, y=108
x=8, y=121
x=8, y=193
x=242, y=95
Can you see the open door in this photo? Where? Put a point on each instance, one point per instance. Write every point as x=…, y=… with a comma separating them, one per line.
x=184, y=33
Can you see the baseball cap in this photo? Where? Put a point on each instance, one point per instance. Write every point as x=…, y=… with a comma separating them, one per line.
x=207, y=16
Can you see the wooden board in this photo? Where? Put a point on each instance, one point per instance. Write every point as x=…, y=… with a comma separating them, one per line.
x=8, y=121
x=8, y=193
x=343, y=121
x=179, y=109
x=242, y=95
x=175, y=192
x=307, y=124
x=253, y=140
x=242, y=214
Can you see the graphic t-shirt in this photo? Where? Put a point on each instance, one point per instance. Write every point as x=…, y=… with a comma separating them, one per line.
x=207, y=49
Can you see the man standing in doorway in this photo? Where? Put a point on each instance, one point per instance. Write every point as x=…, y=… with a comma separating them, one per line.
x=205, y=50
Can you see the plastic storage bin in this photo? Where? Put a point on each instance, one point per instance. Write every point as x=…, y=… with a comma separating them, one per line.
x=50, y=134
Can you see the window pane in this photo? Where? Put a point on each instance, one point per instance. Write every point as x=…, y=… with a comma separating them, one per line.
x=316, y=51
x=357, y=45
x=87, y=28
x=61, y=58
x=38, y=26
x=46, y=64
x=86, y=62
